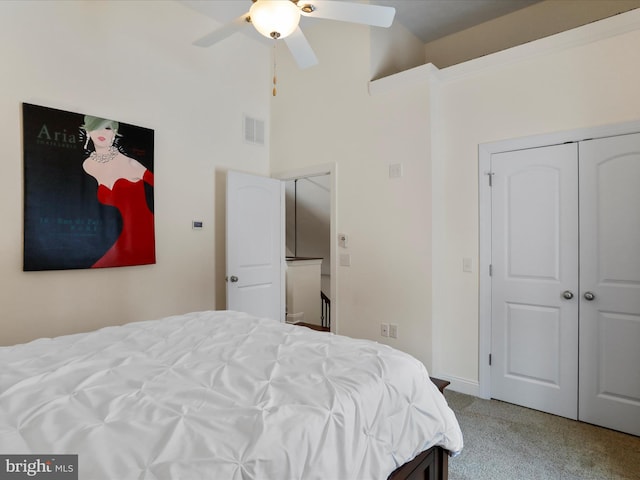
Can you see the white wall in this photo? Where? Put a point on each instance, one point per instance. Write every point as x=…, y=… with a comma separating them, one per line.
x=325, y=114
x=407, y=247
x=561, y=83
x=116, y=59
x=132, y=61
x=394, y=49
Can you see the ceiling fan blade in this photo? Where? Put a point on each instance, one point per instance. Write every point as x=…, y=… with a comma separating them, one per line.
x=223, y=32
x=300, y=49
x=374, y=15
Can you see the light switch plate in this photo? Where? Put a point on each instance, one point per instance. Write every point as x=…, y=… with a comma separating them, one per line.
x=467, y=264
x=395, y=170
x=343, y=240
x=393, y=330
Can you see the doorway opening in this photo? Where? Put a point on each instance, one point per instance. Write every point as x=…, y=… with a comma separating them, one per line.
x=310, y=226
x=307, y=249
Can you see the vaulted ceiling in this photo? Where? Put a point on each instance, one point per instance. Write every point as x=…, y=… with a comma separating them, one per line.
x=427, y=19
x=432, y=19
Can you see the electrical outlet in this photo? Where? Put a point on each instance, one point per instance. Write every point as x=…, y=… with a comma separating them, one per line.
x=384, y=329
x=393, y=330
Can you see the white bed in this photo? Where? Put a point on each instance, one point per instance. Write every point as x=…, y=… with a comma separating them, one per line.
x=220, y=395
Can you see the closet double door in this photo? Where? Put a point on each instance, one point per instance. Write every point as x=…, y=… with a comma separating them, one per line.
x=565, y=285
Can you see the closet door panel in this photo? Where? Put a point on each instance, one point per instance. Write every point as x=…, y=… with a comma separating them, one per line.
x=609, y=393
x=535, y=260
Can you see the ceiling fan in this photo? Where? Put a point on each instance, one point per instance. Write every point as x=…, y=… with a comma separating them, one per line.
x=279, y=19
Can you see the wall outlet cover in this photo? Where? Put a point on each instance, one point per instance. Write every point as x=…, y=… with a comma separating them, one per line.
x=384, y=329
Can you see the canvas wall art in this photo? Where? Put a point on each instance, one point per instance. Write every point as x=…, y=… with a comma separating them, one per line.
x=88, y=191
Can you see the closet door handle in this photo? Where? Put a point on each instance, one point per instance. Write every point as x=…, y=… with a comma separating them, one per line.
x=589, y=296
x=567, y=294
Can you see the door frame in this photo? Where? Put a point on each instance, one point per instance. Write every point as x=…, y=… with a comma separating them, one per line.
x=312, y=171
x=485, y=151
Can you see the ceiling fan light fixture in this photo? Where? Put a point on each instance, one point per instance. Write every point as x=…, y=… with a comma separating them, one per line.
x=275, y=18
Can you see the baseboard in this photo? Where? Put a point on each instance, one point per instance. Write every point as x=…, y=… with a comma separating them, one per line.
x=461, y=385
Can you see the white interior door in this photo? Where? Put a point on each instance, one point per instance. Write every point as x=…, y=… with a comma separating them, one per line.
x=255, y=245
x=610, y=282
x=534, y=262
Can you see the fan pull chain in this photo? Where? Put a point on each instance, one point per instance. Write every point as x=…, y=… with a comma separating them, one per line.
x=275, y=79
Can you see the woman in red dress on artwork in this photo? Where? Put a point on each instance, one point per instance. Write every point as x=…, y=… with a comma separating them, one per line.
x=121, y=182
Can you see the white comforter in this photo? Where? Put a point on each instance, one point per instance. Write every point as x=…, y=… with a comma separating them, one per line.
x=220, y=396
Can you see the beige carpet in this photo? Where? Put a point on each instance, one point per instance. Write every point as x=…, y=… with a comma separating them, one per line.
x=507, y=442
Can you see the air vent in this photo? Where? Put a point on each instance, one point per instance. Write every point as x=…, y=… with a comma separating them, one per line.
x=253, y=130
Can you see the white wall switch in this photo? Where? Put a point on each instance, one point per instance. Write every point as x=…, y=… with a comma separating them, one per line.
x=395, y=170
x=467, y=264
x=345, y=259
x=343, y=240
x=393, y=330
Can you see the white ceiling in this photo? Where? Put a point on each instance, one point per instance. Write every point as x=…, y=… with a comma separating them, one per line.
x=433, y=19
x=427, y=19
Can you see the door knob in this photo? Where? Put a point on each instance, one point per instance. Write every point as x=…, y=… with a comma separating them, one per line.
x=567, y=294
x=589, y=296
x=233, y=279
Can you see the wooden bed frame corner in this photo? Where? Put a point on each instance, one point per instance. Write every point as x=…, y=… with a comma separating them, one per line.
x=432, y=464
